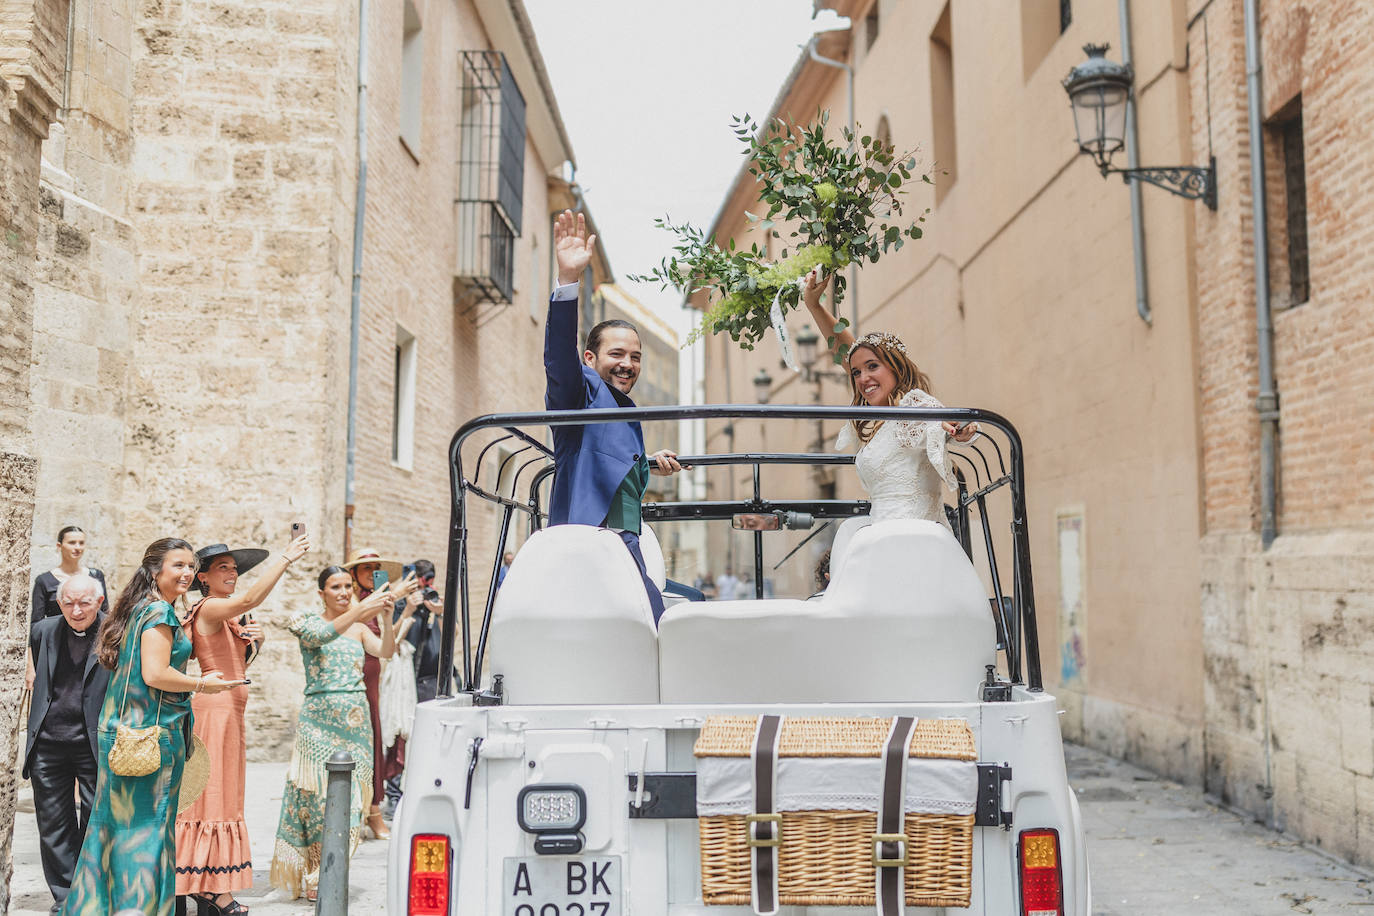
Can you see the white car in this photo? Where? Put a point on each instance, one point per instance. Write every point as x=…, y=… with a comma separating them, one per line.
x=757, y=756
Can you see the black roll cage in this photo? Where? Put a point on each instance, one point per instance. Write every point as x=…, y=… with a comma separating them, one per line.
x=1014, y=614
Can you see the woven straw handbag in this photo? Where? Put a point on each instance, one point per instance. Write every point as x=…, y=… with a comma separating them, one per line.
x=136, y=751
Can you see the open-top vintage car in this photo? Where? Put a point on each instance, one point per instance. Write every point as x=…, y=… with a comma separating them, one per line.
x=886, y=745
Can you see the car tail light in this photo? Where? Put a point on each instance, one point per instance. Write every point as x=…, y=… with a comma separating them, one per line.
x=1042, y=883
x=429, y=862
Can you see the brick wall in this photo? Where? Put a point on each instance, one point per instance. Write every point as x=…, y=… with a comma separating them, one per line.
x=1288, y=632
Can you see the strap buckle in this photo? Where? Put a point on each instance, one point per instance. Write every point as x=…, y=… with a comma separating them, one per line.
x=752, y=819
x=901, y=840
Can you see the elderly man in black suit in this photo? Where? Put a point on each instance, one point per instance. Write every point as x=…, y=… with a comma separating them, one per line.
x=69, y=688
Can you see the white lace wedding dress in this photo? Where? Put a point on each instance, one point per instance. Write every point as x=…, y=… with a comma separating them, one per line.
x=904, y=466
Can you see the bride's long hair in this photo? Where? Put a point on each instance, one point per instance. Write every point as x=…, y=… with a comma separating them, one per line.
x=891, y=352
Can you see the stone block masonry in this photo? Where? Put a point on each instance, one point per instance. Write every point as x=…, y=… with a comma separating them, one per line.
x=32, y=59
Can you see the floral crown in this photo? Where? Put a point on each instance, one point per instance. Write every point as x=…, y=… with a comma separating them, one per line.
x=881, y=339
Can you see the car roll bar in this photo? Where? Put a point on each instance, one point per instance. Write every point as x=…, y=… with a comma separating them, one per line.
x=456, y=601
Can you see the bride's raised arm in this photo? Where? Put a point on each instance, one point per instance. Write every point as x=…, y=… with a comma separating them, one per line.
x=825, y=321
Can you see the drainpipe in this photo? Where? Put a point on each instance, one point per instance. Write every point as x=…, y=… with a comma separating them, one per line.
x=355, y=299
x=849, y=72
x=1267, y=402
x=1142, y=293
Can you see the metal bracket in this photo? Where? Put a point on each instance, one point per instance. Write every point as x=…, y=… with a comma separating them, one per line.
x=989, y=812
x=496, y=696
x=996, y=690
x=666, y=795
x=1189, y=181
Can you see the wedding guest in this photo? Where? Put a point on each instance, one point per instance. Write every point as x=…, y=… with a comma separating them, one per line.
x=63, y=718
x=412, y=627
x=71, y=546
x=213, y=855
x=334, y=717
x=362, y=563
x=128, y=858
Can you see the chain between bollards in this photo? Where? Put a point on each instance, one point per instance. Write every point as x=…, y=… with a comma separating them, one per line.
x=333, y=890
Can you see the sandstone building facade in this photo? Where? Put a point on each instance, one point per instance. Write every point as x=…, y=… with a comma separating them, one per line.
x=33, y=58
x=1171, y=632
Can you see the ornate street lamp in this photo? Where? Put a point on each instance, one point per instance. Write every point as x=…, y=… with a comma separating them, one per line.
x=1098, y=92
x=763, y=383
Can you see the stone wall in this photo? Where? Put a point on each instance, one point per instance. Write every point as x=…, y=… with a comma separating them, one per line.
x=32, y=55
x=1288, y=632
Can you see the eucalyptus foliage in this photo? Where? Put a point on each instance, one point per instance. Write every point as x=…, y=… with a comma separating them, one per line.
x=838, y=204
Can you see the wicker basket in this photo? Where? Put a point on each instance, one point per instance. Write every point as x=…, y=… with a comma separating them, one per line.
x=826, y=857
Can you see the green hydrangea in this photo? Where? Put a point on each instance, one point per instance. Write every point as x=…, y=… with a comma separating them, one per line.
x=826, y=192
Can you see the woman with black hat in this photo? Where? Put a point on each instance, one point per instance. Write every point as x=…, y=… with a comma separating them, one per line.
x=213, y=854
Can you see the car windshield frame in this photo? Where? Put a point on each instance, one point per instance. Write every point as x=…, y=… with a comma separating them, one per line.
x=1018, y=636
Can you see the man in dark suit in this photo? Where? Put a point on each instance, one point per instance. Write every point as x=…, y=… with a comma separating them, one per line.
x=602, y=467
x=69, y=688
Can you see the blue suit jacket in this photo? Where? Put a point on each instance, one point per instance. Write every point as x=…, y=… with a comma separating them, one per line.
x=591, y=460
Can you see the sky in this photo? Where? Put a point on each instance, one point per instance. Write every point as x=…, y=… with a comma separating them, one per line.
x=647, y=89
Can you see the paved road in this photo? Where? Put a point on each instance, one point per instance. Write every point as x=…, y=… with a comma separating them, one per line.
x=1155, y=848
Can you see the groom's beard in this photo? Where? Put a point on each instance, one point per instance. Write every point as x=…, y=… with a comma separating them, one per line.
x=622, y=382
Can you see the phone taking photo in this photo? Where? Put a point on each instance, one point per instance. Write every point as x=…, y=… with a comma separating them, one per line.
x=407, y=571
x=297, y=529
x=379, y=578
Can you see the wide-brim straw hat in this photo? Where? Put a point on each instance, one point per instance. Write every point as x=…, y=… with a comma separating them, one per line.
x=359, y=555
x=245, y=558
x=195, y=775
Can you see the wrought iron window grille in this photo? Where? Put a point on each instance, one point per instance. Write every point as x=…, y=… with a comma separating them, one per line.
x=491, y=170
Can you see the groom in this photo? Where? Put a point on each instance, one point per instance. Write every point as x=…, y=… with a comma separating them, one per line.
x=602, y=470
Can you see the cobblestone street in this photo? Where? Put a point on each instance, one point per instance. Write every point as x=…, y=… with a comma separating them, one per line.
x=1155, y=848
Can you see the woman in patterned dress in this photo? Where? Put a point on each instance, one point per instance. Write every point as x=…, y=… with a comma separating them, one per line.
x=128, y=859
x=213, y=855
x=333, y=718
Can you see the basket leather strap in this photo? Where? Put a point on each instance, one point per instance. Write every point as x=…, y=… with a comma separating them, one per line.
x=764, y=827
x=891, y=855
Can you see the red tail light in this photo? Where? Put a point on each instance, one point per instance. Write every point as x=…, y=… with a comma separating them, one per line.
x=1042, y=881
x=429, y=878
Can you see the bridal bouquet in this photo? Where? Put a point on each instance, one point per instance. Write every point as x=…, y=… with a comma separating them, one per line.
x=840, y=205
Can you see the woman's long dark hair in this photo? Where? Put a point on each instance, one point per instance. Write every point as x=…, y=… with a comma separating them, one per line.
x=140, y=590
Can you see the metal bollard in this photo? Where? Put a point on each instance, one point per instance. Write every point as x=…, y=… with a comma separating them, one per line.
x=333, y=890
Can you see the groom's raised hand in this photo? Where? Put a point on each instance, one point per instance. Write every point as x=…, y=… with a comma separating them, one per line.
x=572, y=246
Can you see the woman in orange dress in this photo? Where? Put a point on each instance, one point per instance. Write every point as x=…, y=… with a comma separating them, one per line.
x=213, y=853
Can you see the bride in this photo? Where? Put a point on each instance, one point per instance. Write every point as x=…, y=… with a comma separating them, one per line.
x=902, y=464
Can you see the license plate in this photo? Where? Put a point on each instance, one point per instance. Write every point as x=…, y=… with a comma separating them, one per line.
x=561, y=886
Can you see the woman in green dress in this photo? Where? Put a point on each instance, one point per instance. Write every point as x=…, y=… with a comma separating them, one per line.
x=334, y=717
x=128, y=859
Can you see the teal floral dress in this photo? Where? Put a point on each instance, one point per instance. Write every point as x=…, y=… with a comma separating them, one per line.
x=128, y=859
x=334, y=717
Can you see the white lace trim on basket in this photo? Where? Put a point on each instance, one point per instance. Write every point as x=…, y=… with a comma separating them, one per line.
x=933, y=786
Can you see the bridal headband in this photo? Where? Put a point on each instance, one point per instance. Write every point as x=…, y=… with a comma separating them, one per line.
x=881, y=339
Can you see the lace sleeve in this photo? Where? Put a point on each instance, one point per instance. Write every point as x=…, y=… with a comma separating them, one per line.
x=847, y=439
x=927, y=434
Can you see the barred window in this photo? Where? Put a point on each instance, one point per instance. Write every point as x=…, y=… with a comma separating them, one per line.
x=491, y=174
x=1295, y=196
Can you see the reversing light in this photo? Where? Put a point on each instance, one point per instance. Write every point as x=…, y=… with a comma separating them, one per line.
x=1042, y=883
x=429, y=875
x=551, y=808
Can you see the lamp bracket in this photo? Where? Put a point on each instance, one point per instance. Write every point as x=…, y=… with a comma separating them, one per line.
x=1189, y=181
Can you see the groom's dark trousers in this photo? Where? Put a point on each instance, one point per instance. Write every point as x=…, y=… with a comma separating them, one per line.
x=591, y=460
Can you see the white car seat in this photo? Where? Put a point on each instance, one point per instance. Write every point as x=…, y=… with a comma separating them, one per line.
x=843, y=535
x=904, y=619
x=653, y=556
x=572, y=624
